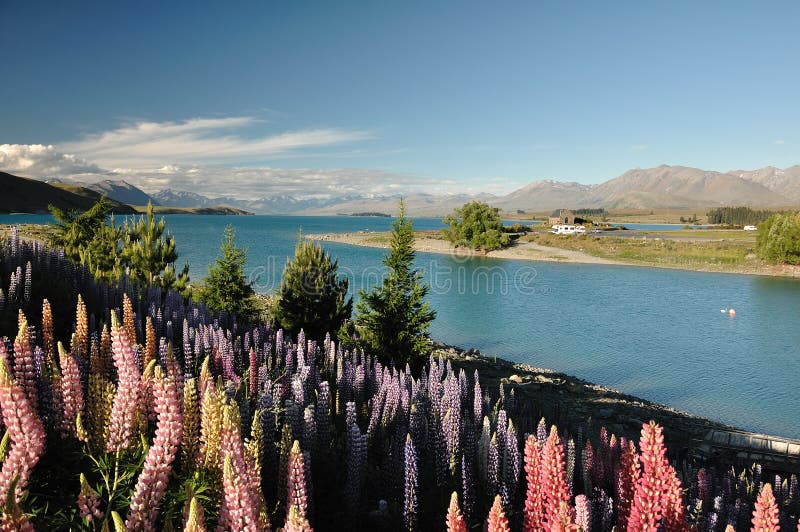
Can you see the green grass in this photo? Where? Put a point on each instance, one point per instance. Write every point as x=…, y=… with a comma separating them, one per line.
x=692, y=254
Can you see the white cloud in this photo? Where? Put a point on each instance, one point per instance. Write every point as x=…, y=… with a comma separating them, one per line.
x=639, y=147
x=779, y=142
x=40, y=161
x=199, y=140
x=212, y=157
x=238, y=182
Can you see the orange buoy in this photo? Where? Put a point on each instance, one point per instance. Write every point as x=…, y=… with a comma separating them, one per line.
x=732, y=312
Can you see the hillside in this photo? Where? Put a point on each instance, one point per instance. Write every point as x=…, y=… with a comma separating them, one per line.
x=785, y=182
x=680, y=186
x=122, y=191
x=217, y=209
x=663, y=187
x=21, y=194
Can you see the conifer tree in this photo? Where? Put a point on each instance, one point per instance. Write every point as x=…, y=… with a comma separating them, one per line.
x=226, y=287
x=312, y=296
x=86, y=238
x=393, y=318
x=150, y=254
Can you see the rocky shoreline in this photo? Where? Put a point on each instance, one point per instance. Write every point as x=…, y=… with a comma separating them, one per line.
x=580, y=401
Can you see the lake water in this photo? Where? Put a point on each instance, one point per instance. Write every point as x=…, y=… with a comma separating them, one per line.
x=654, y=333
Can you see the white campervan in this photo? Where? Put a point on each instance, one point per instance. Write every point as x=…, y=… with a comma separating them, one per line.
x=564, y=229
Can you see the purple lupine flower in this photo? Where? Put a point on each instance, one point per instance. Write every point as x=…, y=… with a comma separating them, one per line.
x=571, y=452
x=289, y=359
x=603, y=511
x=294, y=418
x=350, y=415
x=356, y=469
x=24, y=365
x=703, y=491
x=12, y=287
x=467, y=486
x=298, y=391
x=27, y=291
x=493, y=467
x=587, y=466
x=322, y=412
x=309, y=429
x=410, y=505
x=511, y=466
x=541, y=433
x=712, y=522
x=477, y=404
x=483, y=450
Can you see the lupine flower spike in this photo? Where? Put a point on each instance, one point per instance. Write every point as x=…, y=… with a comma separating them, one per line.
x=765, y=515
x=497, y=520
x=455, y=519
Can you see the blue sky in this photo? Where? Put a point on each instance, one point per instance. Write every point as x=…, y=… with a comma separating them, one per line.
x=457, y=95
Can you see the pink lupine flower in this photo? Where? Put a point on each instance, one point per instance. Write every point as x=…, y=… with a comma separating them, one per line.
x=89, y=502
x=627, y=478
x=295, y=522
x=455, y=519
x=240, y=501
x=253, y=373
x=765, y=515
x=497, y=520
x=296, y=482
x=25, y=431
x=71, y=392
x=673, y=520
x=648, y=504
x=126, y=401
x=583, y=513
x=553, y=478
x=153, y=480
x=24, y=368
x=534, y=504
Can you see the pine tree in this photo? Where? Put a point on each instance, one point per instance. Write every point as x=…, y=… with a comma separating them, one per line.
x=312, y=296
x=150, y=255
x=86, y=238
x=393, y=318
x=226, y=287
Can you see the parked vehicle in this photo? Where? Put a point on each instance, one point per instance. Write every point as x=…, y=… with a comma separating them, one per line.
x=750, y=228
x=564, y=230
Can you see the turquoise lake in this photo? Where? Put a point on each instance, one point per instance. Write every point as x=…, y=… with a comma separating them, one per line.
x=654, y=333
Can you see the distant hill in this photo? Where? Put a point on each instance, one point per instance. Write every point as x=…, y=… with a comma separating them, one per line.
x=217, y=209
x=545, y=195
x=668, y=187
x=785, y=182
x=663, y=187
x=122, y=191
x=21, y=194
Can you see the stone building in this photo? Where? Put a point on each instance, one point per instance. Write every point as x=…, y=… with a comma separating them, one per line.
x=562, y=217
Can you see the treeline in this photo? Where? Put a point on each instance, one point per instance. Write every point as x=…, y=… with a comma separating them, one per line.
x=590, y=212
x=738, y=215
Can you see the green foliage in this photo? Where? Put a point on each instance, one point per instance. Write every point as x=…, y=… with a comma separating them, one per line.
x=149, y=253
x=141, y=248
x=778, y=239
x=87, y=239
x=476, y=225
x=393, y=318
x=226, y=287
x=312, y=296
x=590, y=212
x=737, y=216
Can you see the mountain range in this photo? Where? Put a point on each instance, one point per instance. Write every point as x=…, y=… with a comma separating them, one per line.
x=662, y=187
